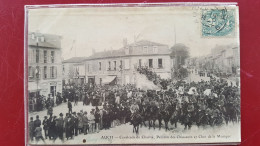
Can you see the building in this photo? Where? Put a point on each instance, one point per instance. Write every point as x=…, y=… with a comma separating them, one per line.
x=44, y=64
x=119, y=66
x=222, y=59
x=226, y=59
x=73, y=70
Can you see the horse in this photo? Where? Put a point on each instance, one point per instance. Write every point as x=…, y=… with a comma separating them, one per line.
x=166, y=117
x=231, y=113
x=174, y=118
x=145, y=114
x=203, y=118
x=187, y=120
x=153, y=115
x=136, y=121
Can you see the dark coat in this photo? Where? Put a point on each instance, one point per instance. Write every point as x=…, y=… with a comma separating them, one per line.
x=45, y=124
x=69, y=127
x=37, y=123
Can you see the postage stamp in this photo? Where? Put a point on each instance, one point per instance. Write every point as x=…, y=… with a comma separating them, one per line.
x=218, y=22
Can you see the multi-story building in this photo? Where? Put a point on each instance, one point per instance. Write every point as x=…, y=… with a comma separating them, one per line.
x=44, y=64
x=73, y=70
x=224, y=59
x=119, y=66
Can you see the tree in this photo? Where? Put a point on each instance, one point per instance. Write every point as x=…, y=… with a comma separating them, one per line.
x=180, y=52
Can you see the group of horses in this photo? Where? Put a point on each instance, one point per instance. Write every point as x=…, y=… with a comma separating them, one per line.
x=186, y=114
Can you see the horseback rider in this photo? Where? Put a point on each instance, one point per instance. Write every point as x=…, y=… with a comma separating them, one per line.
x=134, y=109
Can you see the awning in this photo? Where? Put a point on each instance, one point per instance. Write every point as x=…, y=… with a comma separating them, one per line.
x=108, y=79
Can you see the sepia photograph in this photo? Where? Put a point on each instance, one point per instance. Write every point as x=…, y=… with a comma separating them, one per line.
x=157, y=74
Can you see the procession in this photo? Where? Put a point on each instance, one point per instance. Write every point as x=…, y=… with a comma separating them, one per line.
x=207, y=103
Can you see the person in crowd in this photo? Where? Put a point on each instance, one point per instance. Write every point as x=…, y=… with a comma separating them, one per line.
x=60, y=126
x=91, y=121
x=50, y=110
x=52, y=128
x=80, y=122
x=85, y=123
x=97, y=119
x=31, y=128
x=38, y=134
x=45, y=124
x=70, y=107
x=76, y=124
x=37, y=122
x=69, y=127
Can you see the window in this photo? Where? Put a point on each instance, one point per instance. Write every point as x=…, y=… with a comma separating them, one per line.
x=45, y=72
x=99, y=65
x=37, y=39
x=160, y=64
x=45, y=56
x=37, y=72
x=88, y=67
x=53, y=71
x=30, y=72
x=52, y=56
x=145, y=49
x=150, y=63
x=37, y=56
x=140, y=62
x=114, y=65
x=109, y=65
x=155, y=49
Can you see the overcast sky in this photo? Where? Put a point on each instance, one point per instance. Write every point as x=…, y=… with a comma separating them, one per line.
x=105, y=28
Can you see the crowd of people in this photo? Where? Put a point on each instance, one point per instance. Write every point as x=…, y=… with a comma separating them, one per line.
x=205, y=103
x=152, y=76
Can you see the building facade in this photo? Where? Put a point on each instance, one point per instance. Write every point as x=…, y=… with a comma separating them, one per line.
x=120, y=66
x=44, y=64
x=73, y=71
x=222, y=59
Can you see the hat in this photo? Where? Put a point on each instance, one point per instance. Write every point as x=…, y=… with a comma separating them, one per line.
x=61, y=114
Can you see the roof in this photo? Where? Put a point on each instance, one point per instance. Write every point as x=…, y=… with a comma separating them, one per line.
x=49, y=40
x=108, y=54
x=121, y=52
x=75, y=60
x=146, y=43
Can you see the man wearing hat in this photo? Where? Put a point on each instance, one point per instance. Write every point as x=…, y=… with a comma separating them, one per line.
x=31, y=129
x=37, y=122
x=45, y=126
x=60, y=125
x=76, y=123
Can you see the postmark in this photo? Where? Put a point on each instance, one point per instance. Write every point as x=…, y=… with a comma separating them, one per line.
x=218, y=22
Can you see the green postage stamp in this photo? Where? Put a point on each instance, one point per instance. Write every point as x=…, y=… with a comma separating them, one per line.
x=218, y=22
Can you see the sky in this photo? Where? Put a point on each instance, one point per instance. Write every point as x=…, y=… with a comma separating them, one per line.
x=104, y=28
